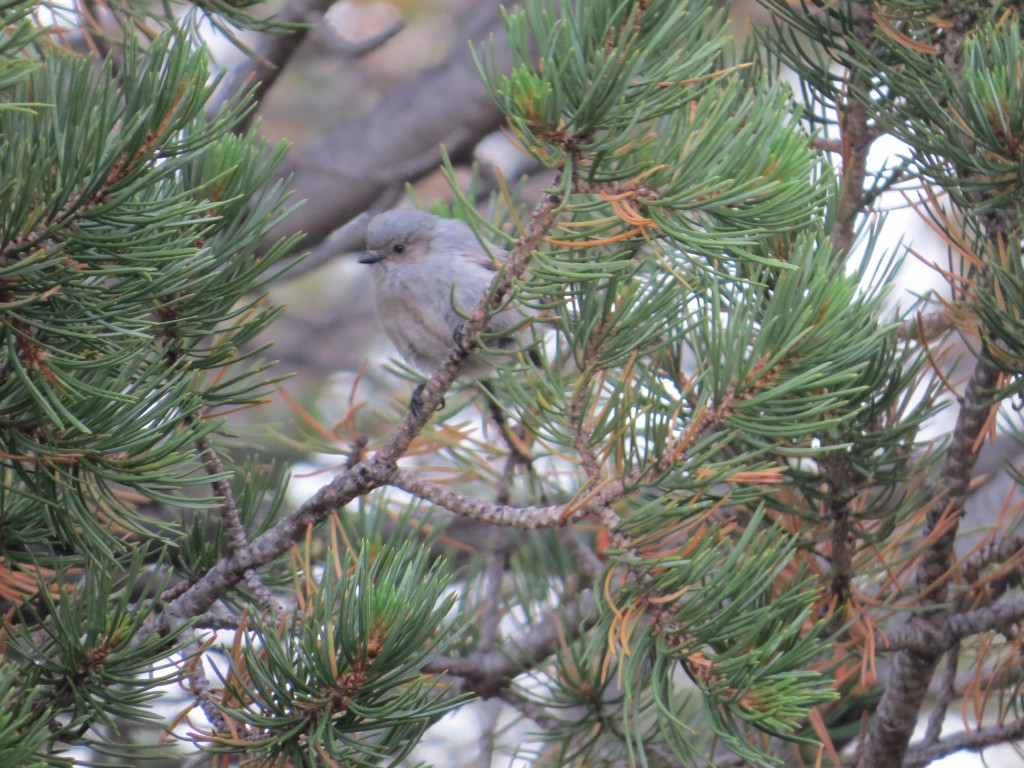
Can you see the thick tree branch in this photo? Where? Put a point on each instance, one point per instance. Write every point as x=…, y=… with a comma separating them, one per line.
x=399, y=141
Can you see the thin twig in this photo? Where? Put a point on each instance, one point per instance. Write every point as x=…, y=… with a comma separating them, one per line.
x=532, y=710
x=232, y=521
x=493, y=604
x=514, y=442
x=928, y=327
x=922, y=754
x=202, y=690
x=489, y=673
x=855, y=138
x=997, y=551
x=588, y=560
x=655, y=753
x=218, y=621
x=229, y=517
x=488, y=737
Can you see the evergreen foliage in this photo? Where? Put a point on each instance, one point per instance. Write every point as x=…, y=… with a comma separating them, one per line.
x=720, y=417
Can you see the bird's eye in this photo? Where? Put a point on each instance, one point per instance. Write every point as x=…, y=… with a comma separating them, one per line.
x=398, y=248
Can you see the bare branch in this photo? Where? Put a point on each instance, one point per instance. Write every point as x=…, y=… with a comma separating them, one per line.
x=855, y=139
x=996, y=551
x=528, y=518
x=975, y=741
x=230, y=519
x=994, y=617
x=270, y=545
x=348, y=169
x=353, y=49
x=201, y=688
x=586, y=557
x=489, y=672
x=946, y=693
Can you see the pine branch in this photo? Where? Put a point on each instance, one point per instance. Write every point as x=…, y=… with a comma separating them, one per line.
x=380, y=469
x=714, y=387
x=887, y=740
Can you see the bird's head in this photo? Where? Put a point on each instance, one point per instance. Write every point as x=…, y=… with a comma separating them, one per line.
x=398, y=237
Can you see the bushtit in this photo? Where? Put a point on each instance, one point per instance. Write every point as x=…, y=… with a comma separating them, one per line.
x=424, y=268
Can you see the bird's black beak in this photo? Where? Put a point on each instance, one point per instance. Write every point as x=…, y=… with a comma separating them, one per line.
x=369, y=257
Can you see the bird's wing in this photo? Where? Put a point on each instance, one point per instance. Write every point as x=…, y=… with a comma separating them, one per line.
x=457, y=235
x=479, y=258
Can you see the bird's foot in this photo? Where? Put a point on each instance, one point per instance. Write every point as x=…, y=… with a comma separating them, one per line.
x=416, y=401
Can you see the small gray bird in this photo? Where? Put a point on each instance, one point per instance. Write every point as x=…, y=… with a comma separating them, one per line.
x=424, y=267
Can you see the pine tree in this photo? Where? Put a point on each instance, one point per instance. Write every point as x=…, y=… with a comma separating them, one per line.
x=715, y=531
